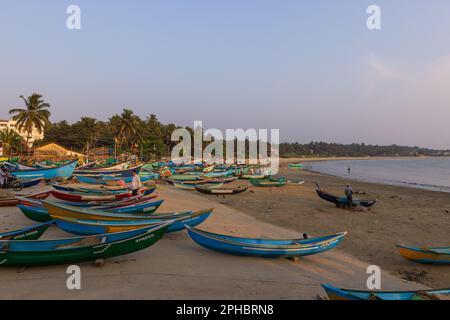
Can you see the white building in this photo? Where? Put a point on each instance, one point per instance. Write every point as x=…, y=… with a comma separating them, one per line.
x=11, y=124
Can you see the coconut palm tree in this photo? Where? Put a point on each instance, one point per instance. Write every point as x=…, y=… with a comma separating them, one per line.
x=127, y=128
x=88, y=129
x=34, y=115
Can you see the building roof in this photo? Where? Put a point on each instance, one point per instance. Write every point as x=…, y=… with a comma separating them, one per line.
x=56, y=150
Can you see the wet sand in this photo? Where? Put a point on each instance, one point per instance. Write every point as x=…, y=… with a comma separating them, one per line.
x=177, y=268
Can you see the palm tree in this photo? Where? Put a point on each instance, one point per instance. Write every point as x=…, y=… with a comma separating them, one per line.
x=10, y=139
x=35, y=115
x=127, y=128
x=89, y=131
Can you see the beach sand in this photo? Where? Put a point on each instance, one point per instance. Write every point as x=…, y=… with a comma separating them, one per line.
x=177, y=268
x=402, y=214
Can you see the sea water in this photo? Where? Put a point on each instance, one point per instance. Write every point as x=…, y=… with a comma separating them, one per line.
x=424, y=173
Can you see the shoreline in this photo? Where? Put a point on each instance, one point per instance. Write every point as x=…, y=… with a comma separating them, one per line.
x=315, y=159
x=406, y=184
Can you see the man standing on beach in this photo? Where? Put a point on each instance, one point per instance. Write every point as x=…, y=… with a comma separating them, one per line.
x=349, y=194
x=135, y=184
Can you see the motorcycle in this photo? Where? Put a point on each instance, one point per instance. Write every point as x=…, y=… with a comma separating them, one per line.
x=10, y=181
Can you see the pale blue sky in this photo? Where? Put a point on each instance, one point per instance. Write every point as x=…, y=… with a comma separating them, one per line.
x=310, y=68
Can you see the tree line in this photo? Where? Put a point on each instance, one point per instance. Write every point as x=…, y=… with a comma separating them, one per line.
x=122, y=133
x=323, y=149
x=150, y=139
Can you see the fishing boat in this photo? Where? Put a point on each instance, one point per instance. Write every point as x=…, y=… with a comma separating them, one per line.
x=209, y=169
x=29, y=233
x=105, y=180
x=62, y=172
x=111, y=204
x=271, y=182
x=186, y=179
x=79, y=249
x=8, y=159
x=119, y=166
x=346, y=294
x=92, y=227
x=218, y=191
x=190, y=186
x=103, y=190
x=90, y=165
x=30, y=183
x=109, y=172
x=342, y=201
x=425, y=255
x=86, y=197
x=37, y=211
x=223, y=180
x=219, y=174
x=17, y=166
x=12, y=201
x=296, y=166
x=253, y=176
x=264, y=247
x=56, y=210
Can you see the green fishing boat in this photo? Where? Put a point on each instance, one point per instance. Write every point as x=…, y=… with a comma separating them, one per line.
x=298, y=166
x=79, y=249
x=271, y=182
x=253, y=176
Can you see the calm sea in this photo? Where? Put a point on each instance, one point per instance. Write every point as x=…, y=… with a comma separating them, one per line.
x=431, y=174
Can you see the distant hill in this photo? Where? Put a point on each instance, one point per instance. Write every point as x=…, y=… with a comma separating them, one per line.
x=323, y=149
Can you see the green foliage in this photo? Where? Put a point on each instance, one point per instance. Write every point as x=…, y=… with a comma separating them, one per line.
x=11, y=141
x=323, y=149
x=126, y=132
x=34, y=115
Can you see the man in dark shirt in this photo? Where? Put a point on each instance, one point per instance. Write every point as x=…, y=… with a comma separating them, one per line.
x=349, y=194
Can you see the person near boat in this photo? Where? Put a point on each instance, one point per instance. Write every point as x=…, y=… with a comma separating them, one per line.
x=349, y=194
x=2, y=176
x=135, y=184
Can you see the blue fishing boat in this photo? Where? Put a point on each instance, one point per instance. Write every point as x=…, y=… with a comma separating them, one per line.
x=29, y=233
x=346, y=294
x=30, y=183
x=425, y=255
x=264, y=247
x=63, y=172
x=93, y=227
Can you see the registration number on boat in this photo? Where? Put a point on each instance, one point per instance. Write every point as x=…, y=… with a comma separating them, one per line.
x=144, y=238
